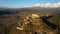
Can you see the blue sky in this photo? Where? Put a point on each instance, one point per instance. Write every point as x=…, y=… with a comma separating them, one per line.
x=22, y=3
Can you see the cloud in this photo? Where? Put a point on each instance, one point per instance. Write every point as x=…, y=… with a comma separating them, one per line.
x=43, y=5
x=56, y=5
x=50, y=5
x=38, y=4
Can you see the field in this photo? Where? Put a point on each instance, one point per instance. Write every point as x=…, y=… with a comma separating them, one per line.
x=46, y=23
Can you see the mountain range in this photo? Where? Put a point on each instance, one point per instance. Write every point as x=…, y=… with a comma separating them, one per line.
x=40, y=10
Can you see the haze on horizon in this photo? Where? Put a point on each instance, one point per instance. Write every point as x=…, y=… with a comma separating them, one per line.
x=29, y=3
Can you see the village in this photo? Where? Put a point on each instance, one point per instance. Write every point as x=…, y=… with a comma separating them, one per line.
x=31, y=23
x=34, y=25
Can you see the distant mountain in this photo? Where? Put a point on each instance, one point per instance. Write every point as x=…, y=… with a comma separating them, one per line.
x=30, y=9
x=4, y=11
x=40, y=10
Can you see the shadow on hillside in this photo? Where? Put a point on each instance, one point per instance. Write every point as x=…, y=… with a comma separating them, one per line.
x=44, y=19
x=5, y=12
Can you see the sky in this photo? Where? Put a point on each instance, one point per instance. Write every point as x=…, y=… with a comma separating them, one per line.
x=29, y=3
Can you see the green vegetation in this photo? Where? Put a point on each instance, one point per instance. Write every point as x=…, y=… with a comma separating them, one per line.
x=55, y=19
